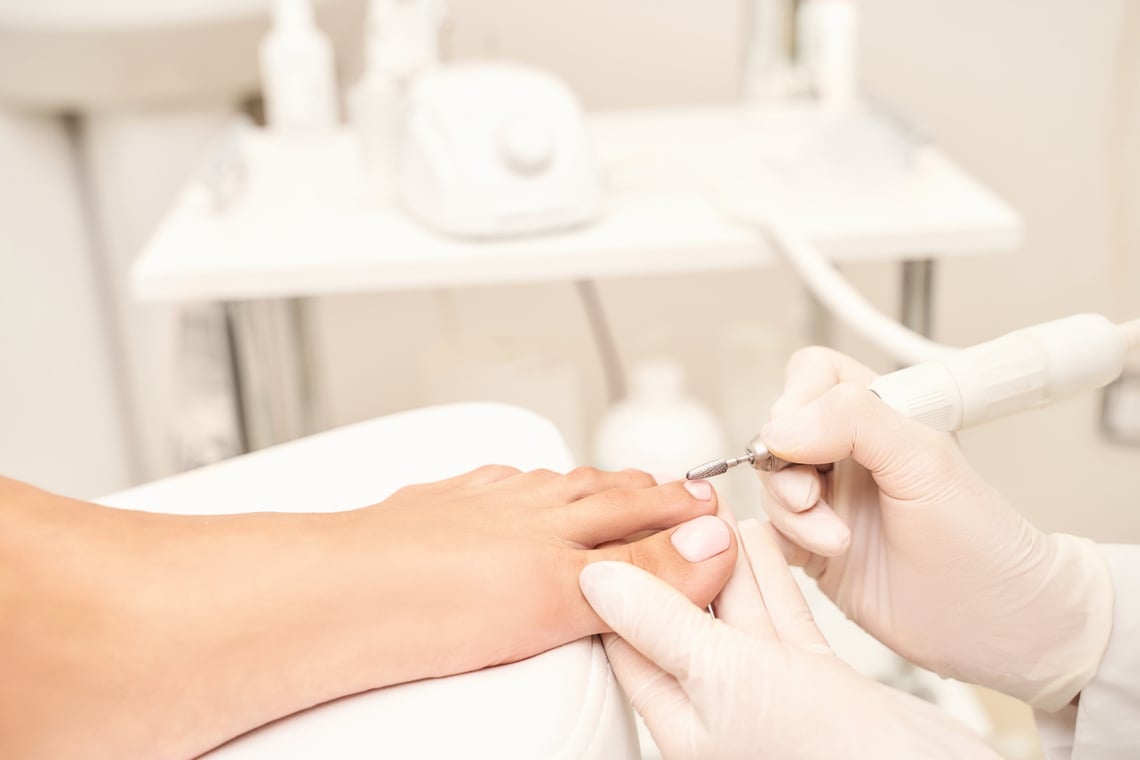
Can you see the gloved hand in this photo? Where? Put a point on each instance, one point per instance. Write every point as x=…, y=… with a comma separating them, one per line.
x=911, y=544
x=760, y=681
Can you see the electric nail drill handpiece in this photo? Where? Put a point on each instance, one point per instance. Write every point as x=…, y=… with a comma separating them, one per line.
x=1025, y=369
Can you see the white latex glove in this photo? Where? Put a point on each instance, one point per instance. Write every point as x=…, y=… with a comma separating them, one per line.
x=760, y=681
x=911, y=544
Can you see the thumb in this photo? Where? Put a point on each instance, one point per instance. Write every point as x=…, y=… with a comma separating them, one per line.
x=850, y=421
x=652, y=616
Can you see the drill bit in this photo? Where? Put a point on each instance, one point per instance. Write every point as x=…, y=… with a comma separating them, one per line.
x=717, y=467
x=755, y=454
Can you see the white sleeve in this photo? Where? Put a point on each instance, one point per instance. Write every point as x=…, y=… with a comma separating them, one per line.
x=1105, y=724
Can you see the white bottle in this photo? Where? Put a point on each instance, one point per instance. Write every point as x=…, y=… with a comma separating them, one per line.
x=657, y=428
x=375, y=107
x=827, y=42
x=767, y=67
x=401, y=39
x=298, y=77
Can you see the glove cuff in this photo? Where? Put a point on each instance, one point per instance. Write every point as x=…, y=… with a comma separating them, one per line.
x=1078, y=588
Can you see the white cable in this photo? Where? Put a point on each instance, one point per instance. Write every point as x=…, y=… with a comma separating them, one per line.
x=843, y=300
x=1131, y=332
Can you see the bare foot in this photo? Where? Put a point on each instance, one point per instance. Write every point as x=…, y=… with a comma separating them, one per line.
x=488, y=562
x=141, y=634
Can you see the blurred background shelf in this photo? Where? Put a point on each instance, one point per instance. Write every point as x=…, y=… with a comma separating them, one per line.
x=303, y=225
x=280, y=221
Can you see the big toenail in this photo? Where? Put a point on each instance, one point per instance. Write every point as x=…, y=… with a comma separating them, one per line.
x=699, y=539
x=700, y=489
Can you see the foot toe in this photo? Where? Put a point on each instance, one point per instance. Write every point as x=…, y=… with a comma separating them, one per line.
x=622, y=512
x=695, y=557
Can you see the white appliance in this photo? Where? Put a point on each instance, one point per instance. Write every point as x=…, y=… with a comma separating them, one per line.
x=492, y=150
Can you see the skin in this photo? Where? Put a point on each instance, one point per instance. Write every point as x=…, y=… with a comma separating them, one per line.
x=137, y=634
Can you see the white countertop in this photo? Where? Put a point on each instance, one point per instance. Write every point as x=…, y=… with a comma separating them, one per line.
x=853, y=183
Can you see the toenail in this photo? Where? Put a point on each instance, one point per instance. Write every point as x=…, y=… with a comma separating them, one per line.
x=699, y=539
x=700, y=489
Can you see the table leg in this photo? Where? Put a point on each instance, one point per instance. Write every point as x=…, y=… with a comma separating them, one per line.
x=603, y=339
x=316, y=412
x=274, y=371
x=234, y=332
x=917, y=308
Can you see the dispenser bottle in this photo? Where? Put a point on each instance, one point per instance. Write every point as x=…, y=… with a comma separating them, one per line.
x=657, y=428
x=298, y=76
x=401, y=38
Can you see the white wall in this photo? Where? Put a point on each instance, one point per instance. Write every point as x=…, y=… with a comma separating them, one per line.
x=628, y=53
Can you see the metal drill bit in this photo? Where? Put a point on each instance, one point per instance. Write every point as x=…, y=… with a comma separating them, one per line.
x=756, y=454
x=717, y=467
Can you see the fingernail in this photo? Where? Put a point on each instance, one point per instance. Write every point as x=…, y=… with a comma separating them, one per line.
x=700, y=489
x=701, y=538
